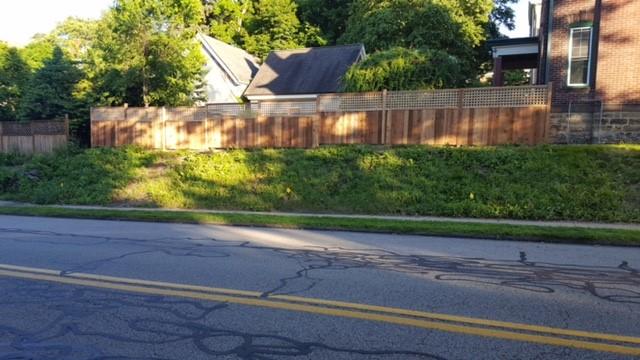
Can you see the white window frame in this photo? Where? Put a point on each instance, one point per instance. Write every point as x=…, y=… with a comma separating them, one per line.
x=590, y=28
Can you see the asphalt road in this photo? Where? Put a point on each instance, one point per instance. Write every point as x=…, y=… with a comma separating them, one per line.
x=80, y=289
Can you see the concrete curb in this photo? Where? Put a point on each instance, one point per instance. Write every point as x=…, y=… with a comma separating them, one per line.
x=561, y=224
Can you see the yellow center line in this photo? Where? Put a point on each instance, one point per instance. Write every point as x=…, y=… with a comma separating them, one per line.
x=346, y=305
x=347, y=310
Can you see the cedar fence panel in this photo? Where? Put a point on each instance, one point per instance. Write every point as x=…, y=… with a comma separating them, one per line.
x=459, y=117
x=260, y=132
x=33, y=137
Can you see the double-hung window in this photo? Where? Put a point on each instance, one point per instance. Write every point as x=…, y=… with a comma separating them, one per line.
x=579, y=56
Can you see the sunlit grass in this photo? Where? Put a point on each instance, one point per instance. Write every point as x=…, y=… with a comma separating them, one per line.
x=590, y=183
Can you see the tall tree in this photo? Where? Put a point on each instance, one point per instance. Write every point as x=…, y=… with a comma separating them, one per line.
x=149, y=54
x=456, y=27
x=274, y=25
x=260, y=26
x=39, y=50
x=14, y=75
x=76, y=37
x=50, y=93
x=226, y=19
x=330, y=16
x=501, y=15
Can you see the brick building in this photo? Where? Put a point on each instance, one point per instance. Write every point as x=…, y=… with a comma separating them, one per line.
x=590, y=51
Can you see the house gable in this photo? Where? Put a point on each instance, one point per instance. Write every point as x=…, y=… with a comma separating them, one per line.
x=228, y=70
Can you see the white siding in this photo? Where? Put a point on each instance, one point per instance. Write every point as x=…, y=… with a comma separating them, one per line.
x=220, y=88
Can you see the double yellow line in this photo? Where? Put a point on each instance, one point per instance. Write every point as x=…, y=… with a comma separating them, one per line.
x=626, y=345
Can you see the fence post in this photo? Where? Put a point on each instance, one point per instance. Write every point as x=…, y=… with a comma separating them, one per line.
x=315, y=125
x=33, y=137
x=206, y=127
x=459, y=116
x=547, y=125
x=386, y=122
x=115, y=124
x=66, y=127
x=163, y=120
x=91, y=144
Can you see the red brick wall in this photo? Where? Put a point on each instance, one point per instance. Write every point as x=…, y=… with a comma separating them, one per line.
x=565, y=13
x=618, y=74
x=618, y=69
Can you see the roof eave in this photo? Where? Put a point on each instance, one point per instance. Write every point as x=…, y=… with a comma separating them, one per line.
x=220, y=62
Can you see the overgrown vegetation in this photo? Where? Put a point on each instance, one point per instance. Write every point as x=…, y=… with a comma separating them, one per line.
x=404, y=69
x=591, y=183
x=70, y=176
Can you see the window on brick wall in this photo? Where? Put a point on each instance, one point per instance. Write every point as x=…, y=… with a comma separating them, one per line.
x=579, y=56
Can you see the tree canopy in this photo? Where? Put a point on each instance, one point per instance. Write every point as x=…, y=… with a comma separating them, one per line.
x=454, y=26
x=14, y=76
x=403, y=69
x=149, y=54
x=330, y=16
x=260, y=26
x=50, y=93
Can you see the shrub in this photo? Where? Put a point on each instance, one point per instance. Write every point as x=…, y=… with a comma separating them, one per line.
x=405, y=69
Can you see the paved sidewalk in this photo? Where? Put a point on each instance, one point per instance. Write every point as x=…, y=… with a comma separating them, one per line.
x=563, y=224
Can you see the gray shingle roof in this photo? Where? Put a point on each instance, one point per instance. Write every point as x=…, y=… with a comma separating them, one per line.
x=239, y=64
x=304, y=71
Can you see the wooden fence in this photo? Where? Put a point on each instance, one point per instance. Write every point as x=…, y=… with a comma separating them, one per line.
x=480, y=117
x=38, y=136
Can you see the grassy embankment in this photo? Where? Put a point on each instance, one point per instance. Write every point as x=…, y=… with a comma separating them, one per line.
x=587, y=183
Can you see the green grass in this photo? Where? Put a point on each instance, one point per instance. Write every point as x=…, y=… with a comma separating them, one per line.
x=450, y=229
x=588, y=183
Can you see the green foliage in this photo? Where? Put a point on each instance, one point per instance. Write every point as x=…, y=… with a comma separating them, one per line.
x=148, y=54
x=501, y=15
x=39, y=50
x=516, y=78
x=76, y=37
x=44, y=79
x=14, y=75
x=330, y=16
x=49, y=94
x=275, y=25
x=226, y=19
x=72, y=176
x=260, y=26
x=592, y=183
x=403, y=69
x=457, y=27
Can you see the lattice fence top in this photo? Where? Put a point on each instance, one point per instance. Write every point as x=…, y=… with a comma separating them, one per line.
x=517, y=96
x=234, y=109
x=432, y=99
x=350, y=102
x=283, y=108
x=36, y=127
x=185, y=114
x=49, y=127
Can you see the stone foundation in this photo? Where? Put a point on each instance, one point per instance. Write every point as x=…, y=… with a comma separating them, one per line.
x=586, y=128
